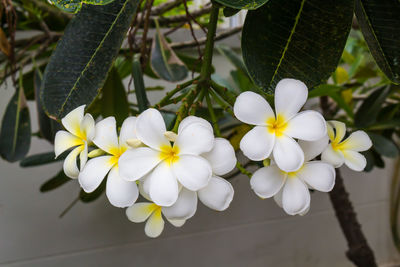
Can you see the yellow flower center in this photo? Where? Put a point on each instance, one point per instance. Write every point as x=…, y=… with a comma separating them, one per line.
x=116, y=152
x=169, y=154
x=337, y=145
x=276, y=125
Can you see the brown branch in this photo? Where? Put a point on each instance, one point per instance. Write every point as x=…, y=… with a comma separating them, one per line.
x=164, y=7
x=143, y=50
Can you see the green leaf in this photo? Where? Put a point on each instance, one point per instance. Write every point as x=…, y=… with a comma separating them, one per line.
x=114, y=101
x=140, y=89
x=164, y=62
x=301, y=39
x=192, y=63
x=55, y=182
x=380, y=24
x=74, y=6
x=229, y=12
x=369, y=109
x=79, y=65
x=384, y=146
x=15, y=135
x=41, y=159
x=243, y=4
x=324, y=90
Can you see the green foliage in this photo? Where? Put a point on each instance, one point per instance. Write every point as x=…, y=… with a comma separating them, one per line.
x=382, y=35
x=41, y=159
x=79, y=65
x=140, y=89
x=285, y=39
x=74, y=6
x=243, y=4
x=58, y=180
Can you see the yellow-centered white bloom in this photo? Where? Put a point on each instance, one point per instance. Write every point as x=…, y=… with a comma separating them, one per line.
x=177, y=214
x=347, y=150
x=121, y=193
x=290, y=189
x=275, y=132
x=167, y=163
x=80, y=132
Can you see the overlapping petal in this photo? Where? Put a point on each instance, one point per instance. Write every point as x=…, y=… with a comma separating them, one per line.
x=319, y=175
x=295, y=196
x=357, y=141
x=83, y=156
x=307, y=125
x=251, y=108
x=290, y=97
x=193, y=172
x=195, y=139
x=106, y=136
x=354, y=160
x=150, y=129
x=332, y=156
x=193, y=119
x=136, y=163
x=70, y=165
x=88, y=127
x=222, y=157
x=336, y=130
x=268, y=181
x=155, y=224
x=288, y=154
x=72, y=121
x=258, y=143
x=94, y=172
x=184, y=207
x=217, y=195
x=128, y=131
x=120, y=192
x=312, y=149
x=64, y=140
x=164, y=188
x=140, y=212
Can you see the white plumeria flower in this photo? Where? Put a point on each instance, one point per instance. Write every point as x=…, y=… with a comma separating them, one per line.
x=121, y=193
x=177, y=214
x=275, y=132
x=80, y=132
x=346, y=151
x=218, y=193
x=290, y=189
x=166, y=164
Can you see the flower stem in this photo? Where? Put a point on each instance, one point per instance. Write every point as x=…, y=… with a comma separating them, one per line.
x=212, y=115
x=165, y=101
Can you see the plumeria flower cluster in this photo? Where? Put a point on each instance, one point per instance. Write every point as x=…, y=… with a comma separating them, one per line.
x=291, y=140
x=171, y=170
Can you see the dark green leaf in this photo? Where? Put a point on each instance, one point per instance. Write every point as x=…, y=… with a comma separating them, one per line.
x=79, y=65
x=243, y=4
x=324, y=90
x=114, y=101
x=75, y=5
x=379, y=21
x=301, y=39
x=370, y=160
x=378, y=159
x=192, y=63
x=140, y=89
x=90, y=197
x=169, y=119
x=369, y=109
x=15, y=135
x=42, y=158
x=164, y=62
x=229, y=12
x=55, y=182
x=384, y=146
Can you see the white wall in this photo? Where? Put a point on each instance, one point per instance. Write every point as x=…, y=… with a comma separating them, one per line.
x=253, y=232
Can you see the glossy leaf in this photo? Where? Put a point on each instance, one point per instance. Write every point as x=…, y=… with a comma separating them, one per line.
x=243, y=4
x=75, y=5
x=229, y=12
x=384, y=146
x=82, y=59
x=379, y=21
x=41, y=159
x=301, y=39
x=15, y=135
x=55, y=182
x=138, y=81
x=164, y=62
x=114, y=101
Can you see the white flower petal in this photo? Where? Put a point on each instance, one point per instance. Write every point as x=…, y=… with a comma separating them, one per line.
x=217, y=195
x=336, y=130
x=177, y=223
x=222, y=157
x=106, y=136
x=319, y=175
x=70, y=165
x=251, y=108
x=307, y=125
x=288, y=154
x=150, y=129
x=120, y=192
x=305, y=210
x=357, y=141
x=258, y=143
x=267, y=181
x=184, y=207
x=333, y=157
x=72, y=121
x=155, y=224
x=194, y=139
x=139, y=212
x=164, y=188
x=193, y=119
x=193, y=172
x=354, y=160
x=278, y=198
x=295, y=196
x=136, y=163
x=312, y=149
x=94, y=172
x=128, y=131
x=64, y=140
x=144, y=186
x=88, y=127
x=290, y=97
x=83, y=156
